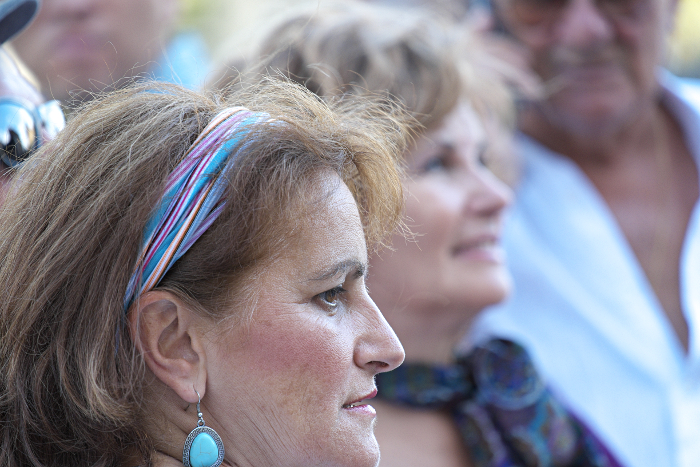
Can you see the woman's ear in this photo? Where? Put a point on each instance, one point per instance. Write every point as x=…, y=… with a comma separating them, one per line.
x=164, y=331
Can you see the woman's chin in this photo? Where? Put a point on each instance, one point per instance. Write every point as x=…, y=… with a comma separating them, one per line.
x=477, y=290
x=367, y=450
x=364, y=453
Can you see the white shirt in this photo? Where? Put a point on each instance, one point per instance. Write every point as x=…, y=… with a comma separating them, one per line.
x=584, y=308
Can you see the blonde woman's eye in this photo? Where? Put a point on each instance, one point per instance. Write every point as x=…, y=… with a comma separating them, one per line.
x=331, y=298
x=484, y=156
x=435, y=164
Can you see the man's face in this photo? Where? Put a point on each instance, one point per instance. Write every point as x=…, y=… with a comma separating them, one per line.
x=90, y=44
x=597, y=59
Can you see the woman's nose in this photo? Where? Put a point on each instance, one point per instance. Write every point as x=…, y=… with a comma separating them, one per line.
x=489, y=196
x=378, y=349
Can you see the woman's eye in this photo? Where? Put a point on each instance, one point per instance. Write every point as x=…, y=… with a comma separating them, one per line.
x=435, y=164
x=484, y=156
x=331, y=298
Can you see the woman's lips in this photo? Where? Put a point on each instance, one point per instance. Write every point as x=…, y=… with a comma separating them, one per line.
x=485, y=248
x=359, y=405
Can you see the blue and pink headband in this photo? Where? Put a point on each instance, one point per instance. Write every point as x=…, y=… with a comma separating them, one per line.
x=193, y=197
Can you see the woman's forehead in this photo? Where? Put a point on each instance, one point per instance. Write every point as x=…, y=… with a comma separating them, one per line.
x=329, y=228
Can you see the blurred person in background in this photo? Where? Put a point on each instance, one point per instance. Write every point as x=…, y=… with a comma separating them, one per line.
x=26, y=120
x=78, y=47
x=487, y=408
x=604, y=236
x=455, y=9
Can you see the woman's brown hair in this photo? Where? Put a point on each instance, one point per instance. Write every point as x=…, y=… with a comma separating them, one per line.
x=71, y=229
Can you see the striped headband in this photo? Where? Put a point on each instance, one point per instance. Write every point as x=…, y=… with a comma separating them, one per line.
x=193, y=198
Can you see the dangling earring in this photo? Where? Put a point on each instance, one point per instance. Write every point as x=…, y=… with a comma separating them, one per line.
x=203, y=446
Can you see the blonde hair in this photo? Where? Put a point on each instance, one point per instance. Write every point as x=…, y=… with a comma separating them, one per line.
x=410, y=55
x=71, y=385
x=423, y=60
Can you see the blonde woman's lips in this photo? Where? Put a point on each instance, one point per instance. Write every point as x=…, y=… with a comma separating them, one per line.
x=484, y=248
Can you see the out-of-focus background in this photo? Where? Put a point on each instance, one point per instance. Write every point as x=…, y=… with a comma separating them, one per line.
x=231, y=25
x=685, y=47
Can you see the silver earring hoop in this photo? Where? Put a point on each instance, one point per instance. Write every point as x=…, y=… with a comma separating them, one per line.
x=203, y=446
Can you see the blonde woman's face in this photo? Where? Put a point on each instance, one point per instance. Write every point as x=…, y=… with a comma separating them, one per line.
x=454, y=205
x=292, y=388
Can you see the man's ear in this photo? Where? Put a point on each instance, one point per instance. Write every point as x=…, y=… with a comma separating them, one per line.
x=164, y=331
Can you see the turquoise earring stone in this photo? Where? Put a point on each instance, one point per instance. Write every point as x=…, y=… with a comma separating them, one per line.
x=203, y=447
x=204, y=451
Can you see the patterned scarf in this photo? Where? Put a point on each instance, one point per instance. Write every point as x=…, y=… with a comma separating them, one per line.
x=506, y=415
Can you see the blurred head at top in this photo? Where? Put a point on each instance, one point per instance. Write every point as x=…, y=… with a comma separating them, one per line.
x=89, y=45
x=456, y=9
x=409, y=54
x=598, y=59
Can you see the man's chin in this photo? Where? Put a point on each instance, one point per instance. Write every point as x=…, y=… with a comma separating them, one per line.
x=588, y=114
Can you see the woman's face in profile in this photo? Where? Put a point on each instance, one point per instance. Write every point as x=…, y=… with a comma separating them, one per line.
x=454, y=205
x=292, y=387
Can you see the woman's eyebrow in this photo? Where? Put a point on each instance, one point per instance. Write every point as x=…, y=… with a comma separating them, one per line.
x=358, y=269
